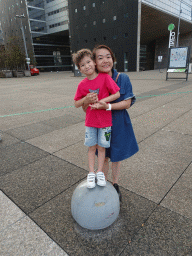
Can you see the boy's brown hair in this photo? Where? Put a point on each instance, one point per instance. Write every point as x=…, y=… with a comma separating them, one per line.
x=79, y=55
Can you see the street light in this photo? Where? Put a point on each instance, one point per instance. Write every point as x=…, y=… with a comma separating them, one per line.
x=180, y=11
x=22, y=29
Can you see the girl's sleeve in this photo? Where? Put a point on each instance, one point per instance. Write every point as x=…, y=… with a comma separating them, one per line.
x=126, y=88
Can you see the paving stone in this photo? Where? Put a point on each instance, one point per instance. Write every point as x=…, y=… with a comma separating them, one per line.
x=17, y=155
x=9, y=212
x=59, y=139
x=7, y=140
x=179, y=199
x=30, y=131
x=26, y=238
x=56, y=220
x=63, y=121
x=165, y=233
x=161, y=159
x=33, y=185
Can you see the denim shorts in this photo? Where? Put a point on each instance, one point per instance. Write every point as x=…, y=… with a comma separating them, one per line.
x=97, y=136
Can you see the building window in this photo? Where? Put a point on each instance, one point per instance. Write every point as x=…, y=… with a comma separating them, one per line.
x=85, y=25
x=58, y=10
x=58, y=24
x=84, y=7
x=76, y=10
x=125, y=15
x=104, y=38
x=126, y=35
x=94, y=22
x=77, y=27
x=93, y=4
x=114, y=17
x=86, y=41
x=115, y=37
x=104, y=20
x=95, y=40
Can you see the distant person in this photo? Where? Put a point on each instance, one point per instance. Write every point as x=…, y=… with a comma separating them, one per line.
x=123, y=142
x=98, y=122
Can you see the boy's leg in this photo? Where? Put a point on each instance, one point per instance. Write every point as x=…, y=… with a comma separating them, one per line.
x=101, y=158
x=106, y=167
x=91, y=158
x=91, y=141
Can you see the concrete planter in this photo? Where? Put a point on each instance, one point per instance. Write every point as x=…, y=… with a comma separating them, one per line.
x=18, y=73
x=6, y=74
x=27, y=73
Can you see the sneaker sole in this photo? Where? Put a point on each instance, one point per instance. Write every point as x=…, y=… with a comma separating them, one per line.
x=101, y=185
x=90, y=186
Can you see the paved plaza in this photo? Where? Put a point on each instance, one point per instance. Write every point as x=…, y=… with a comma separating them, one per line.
x=43, y=159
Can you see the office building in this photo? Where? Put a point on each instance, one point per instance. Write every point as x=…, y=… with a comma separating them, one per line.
x=136, y=30
x=45, y=24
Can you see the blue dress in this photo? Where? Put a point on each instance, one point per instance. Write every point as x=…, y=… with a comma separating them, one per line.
x=123, y=141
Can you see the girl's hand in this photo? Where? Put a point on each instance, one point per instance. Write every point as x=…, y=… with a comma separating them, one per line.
x=100, y=105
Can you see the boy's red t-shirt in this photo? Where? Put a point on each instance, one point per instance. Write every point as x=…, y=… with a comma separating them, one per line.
x=105, y=86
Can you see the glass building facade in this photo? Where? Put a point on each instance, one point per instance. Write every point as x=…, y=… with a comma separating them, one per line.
x=45, y=24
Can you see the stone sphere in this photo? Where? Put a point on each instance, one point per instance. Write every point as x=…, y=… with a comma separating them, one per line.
x=95, y=208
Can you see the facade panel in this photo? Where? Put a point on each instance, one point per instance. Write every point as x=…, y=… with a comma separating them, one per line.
x=113, y=23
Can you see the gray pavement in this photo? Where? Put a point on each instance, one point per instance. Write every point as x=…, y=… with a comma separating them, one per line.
x=43, y=159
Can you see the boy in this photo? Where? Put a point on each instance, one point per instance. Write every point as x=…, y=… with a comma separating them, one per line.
x=98, y=122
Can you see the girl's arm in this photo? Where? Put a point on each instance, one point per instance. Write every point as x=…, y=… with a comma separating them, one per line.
x=111, y=97
x=124, y=104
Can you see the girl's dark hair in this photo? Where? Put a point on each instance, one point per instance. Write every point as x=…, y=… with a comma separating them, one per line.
x=102, y=46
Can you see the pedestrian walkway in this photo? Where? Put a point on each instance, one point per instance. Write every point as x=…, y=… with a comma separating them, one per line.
x=43, y=159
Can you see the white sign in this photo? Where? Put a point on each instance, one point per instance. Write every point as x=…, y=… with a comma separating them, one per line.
x=178, y=57
x=160, y=58
x=171, y=39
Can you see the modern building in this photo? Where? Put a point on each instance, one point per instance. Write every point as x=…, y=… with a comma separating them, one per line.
x=45, y=25
x=1, y=35
x=136, y=30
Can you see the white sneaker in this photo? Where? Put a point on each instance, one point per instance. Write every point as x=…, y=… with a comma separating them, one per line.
x=91, y=180
x=101, y=179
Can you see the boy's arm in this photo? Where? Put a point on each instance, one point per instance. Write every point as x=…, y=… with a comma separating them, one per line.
x=79, y=103
x=112, y=97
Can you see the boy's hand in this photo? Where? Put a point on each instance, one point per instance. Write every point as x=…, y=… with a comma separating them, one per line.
x=91, y=98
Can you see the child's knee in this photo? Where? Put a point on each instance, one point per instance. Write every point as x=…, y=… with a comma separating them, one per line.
x=101, y=149
x=93, y=148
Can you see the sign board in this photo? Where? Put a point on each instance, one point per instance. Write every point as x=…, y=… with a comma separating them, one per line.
x=160, y=58
x=178, y=57
x=178, y=61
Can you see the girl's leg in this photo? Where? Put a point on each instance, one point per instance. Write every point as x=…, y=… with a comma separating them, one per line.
x=91, y=158
x=106, y=167
x=115, y=175
x=115, y=171
x=101, y=158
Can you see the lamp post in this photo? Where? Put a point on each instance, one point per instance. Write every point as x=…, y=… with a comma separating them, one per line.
x=180, y=11
x=23, y=34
